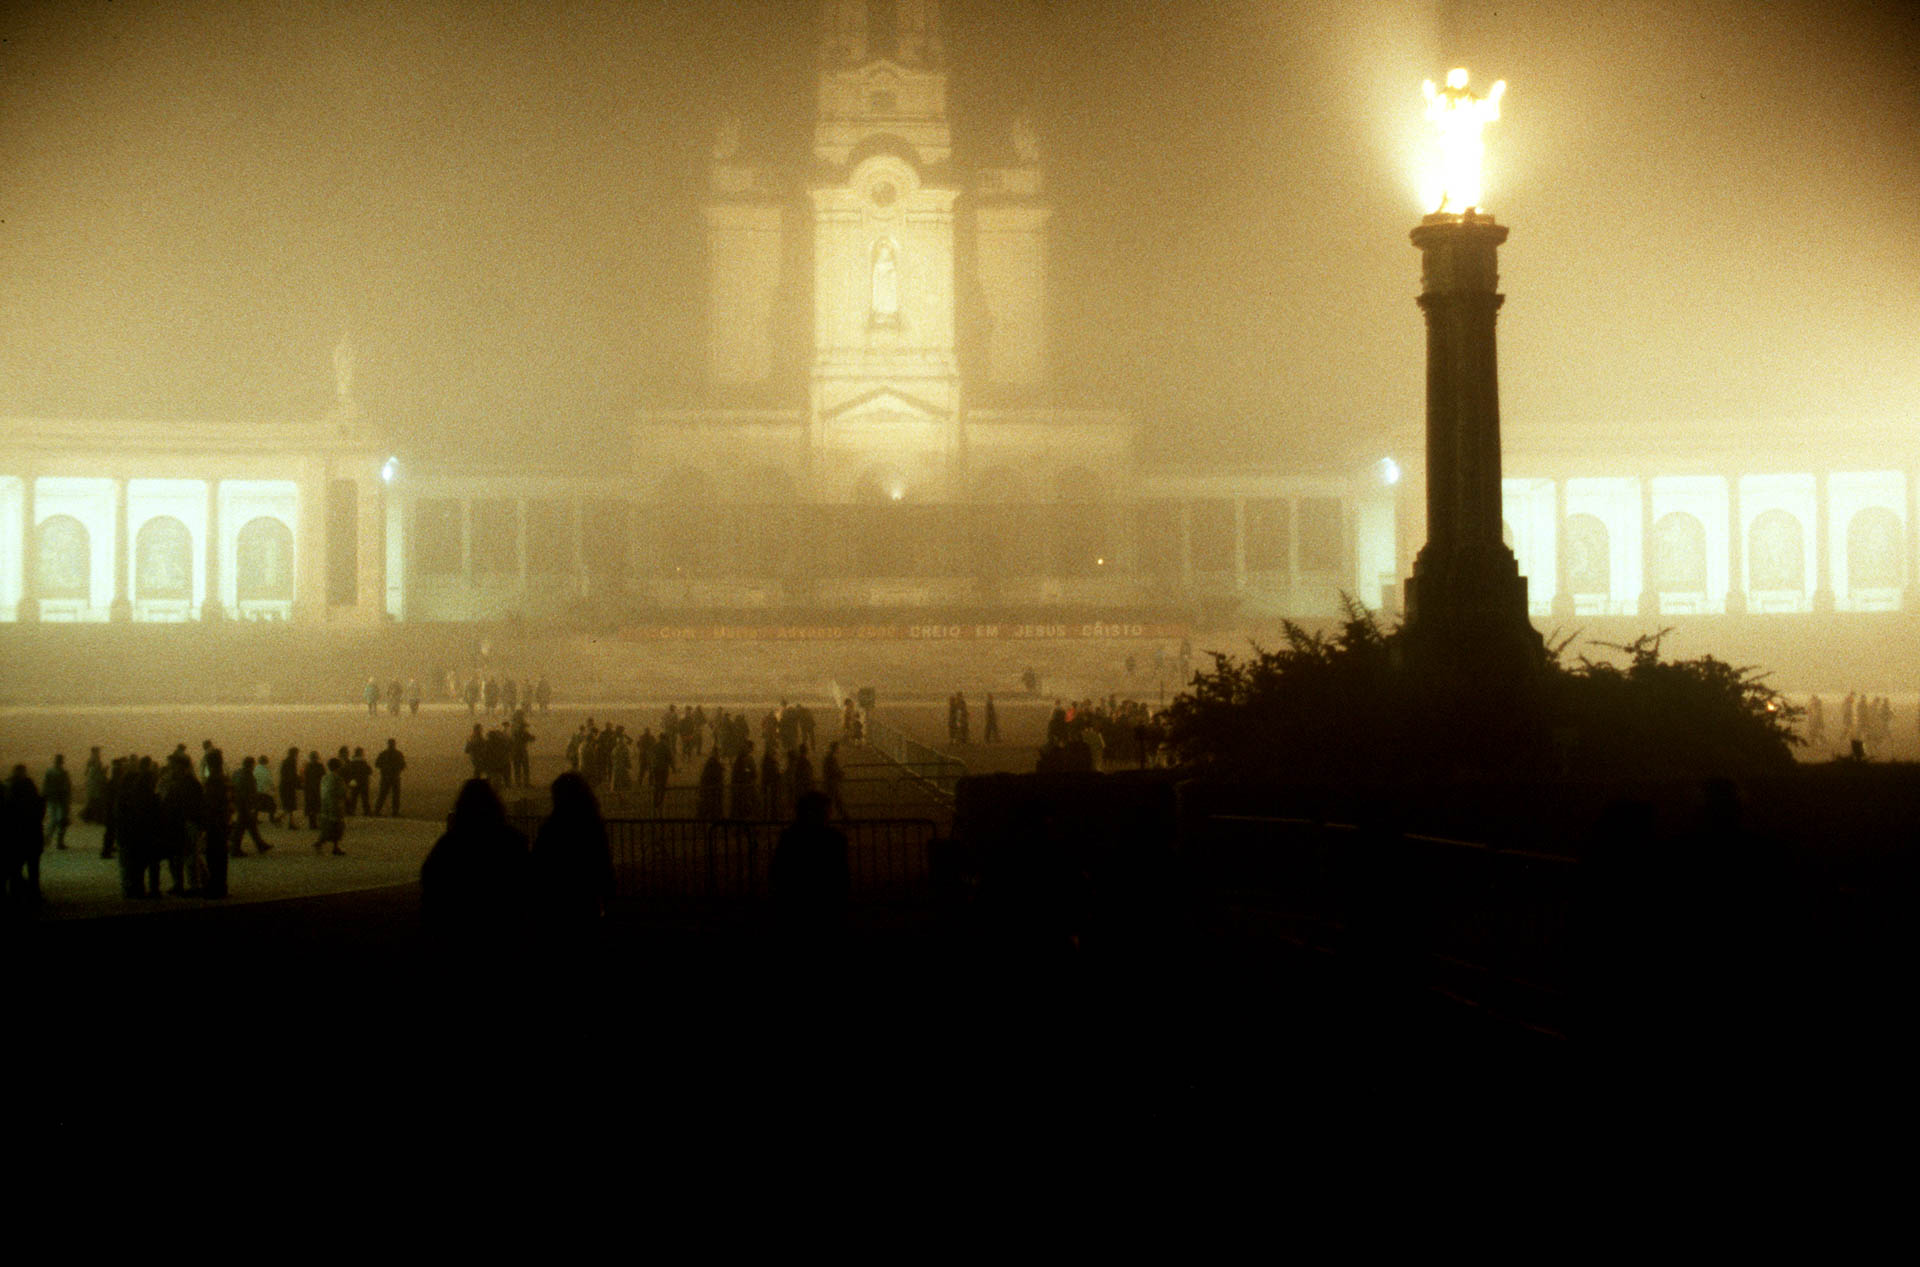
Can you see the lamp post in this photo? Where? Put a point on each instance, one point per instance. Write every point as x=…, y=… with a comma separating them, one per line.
x=1466, y=599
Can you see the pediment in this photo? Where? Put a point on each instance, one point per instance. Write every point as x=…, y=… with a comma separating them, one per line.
x=884, y=404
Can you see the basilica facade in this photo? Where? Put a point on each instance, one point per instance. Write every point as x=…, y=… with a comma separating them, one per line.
x=880, y=432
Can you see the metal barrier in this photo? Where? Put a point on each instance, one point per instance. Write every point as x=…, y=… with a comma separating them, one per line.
x=694, y=860
x=929, y=766
x=1492, y=923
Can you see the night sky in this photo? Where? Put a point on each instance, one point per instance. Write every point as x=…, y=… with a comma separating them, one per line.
x=1715, y=207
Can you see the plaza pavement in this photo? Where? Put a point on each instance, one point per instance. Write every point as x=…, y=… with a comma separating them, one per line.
x=77, y=883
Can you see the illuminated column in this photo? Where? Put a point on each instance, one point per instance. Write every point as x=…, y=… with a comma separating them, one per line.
x=210, y=608
x=121, y=609
x=1466, y=585
x=1736, y=557
x=1562, y=575
x=29, y=611
x=310, y=552
x=371, y=563
x=1822, y=547
x=1910, y=575
x=1649, y=597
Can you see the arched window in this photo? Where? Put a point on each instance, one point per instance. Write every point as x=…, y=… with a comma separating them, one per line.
x=1873, y=550
x=1677, y=558
x=66, y=565
x=263, y=562
x=1589, y=567
x=1776, y=553
x=163, y=560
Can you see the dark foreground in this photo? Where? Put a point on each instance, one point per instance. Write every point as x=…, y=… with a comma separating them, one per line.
x=713, y=1019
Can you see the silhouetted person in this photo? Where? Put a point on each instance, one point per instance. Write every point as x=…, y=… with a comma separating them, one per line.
x=217, y=807
x=809, y=877
x=358, y=773
x=246, y=811
x=290, y=786
x=183, y=811
x=832, y=777
x=333, y=808
x=572, y=864
x=473, y=885
x=713, y=788
x=23, y=841
x=769, y=784
x=311, y=775
x=389, y=763
x=137, y=816
x=94, y=809
x=56, y=789
x=743, y=798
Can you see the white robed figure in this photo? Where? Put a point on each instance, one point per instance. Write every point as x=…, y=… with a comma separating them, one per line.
x=886, y=284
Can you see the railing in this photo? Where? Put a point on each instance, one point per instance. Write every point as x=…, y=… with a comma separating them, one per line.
x=731, y=860
x=935, y=770
x=1491, y=924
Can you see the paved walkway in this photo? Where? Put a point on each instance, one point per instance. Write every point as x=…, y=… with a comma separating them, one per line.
x=78, y=883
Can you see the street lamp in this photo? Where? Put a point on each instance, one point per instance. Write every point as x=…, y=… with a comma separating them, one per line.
x=1466, y=590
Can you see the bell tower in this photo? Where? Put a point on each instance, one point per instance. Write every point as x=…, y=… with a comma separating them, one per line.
x=885, y=382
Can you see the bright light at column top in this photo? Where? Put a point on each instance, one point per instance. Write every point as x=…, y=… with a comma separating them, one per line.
x=1459, y=116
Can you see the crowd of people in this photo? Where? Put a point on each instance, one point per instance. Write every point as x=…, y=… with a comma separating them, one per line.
x=505, y=695
x=1087, y=734
x=1865, y=726
x=491, y=693
x=188, y=817
x=735, y=775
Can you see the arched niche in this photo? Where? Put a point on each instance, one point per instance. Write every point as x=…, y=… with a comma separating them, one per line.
x=263, y=561
x=163, y=561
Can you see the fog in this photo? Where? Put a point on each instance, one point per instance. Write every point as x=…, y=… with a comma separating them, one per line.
x=1713, y=205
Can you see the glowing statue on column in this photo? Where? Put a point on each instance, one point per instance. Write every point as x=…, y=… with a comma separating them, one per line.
x=1460, y=115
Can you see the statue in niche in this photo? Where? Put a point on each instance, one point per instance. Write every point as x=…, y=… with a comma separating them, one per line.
x=886, y=284
x=163, y=560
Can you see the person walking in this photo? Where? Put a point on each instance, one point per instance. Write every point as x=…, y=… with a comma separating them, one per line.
x=246, y=810
x=358, y=773
x=713, y=788
x=208, y=869
x=333, y=808
x=770, y=783
x=312, y=774
x=832, y=777
x=22, y=837
x=743, y=798
x=290, y=786
x=990, y=728
x=389, y=763
x=263, y=784
x=56, y=789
